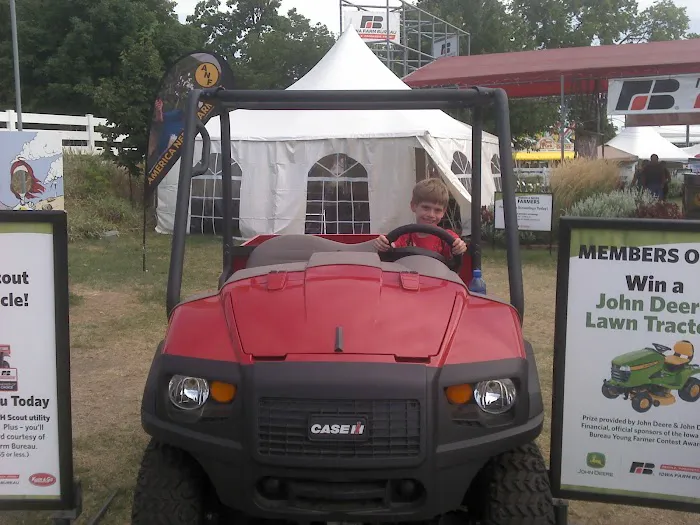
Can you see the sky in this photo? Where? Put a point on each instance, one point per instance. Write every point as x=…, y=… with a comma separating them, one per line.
x=328, y=11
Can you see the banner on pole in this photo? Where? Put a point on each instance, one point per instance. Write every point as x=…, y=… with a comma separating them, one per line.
x=195, y=70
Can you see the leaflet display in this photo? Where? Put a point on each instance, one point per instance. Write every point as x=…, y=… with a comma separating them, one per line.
x=35, y=432
x=626, y=419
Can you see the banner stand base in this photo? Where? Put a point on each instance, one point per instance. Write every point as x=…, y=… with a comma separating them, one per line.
x=561, y=512
x=66, y=517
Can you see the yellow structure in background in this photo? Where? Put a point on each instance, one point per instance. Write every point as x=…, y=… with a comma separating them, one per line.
x=542, y=155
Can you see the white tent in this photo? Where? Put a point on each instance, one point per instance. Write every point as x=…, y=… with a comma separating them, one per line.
x=290, y=164
x=643, y=141
x=692, y=151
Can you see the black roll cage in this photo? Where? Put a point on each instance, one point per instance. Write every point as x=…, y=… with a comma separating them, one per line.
x=474, y=98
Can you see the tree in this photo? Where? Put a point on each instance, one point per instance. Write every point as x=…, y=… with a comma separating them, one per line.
x=494, y=28
x=269, y=51
x=104, y=57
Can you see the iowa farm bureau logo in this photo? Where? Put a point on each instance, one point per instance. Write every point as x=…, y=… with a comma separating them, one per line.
x=650, y=95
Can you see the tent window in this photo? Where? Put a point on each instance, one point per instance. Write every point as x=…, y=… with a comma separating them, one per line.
x=462, y=167
x=206, y=201
x=496, y=171
x=337, y=198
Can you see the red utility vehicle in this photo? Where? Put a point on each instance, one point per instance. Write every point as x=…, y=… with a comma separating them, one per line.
x=324, y=382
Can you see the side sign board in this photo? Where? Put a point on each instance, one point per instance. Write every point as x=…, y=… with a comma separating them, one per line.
x=36, y=464
x=625, y=424
x=535, y=211
x=654, y=95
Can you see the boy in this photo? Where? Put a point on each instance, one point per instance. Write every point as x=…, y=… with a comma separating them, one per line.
x=429, y=202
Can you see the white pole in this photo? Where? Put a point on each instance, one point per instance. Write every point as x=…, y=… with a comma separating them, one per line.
x=15, y=53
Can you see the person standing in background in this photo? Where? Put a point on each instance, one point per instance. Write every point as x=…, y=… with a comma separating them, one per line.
x=652, y=176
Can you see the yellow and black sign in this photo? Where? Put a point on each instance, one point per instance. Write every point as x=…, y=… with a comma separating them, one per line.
x=196, y=70
x=207, y=75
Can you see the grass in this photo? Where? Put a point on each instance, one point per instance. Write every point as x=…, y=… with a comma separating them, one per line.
x=118, y=318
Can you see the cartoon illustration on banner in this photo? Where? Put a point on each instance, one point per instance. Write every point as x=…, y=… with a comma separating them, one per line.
x=31, y=170
x=631, y=381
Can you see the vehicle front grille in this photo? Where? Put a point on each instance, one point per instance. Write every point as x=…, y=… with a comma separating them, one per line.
x=619, y=375
x=393, y=426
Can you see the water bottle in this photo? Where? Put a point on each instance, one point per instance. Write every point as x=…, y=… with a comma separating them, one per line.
x=477, y=285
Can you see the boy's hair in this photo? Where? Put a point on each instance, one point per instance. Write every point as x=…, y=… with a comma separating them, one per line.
x=431, y=190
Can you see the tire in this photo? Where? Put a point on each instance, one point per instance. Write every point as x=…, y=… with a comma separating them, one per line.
x=170, y=488
x=690, y=391
x=609, y=392
x=513, y=489
x=642, y=402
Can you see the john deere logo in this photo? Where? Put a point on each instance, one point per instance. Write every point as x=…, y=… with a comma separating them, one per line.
x=595, y=460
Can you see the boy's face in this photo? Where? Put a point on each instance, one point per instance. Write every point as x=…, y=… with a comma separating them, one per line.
x=428, y=212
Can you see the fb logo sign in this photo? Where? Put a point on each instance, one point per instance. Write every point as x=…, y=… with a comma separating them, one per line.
x=371, y=22
x=637, y=95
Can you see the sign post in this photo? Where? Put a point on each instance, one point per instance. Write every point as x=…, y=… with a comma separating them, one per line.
x=36, y=454
x=625, y=421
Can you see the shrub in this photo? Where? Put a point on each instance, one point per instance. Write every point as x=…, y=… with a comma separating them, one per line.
x=675, y=188
x=580, y=178
x=97, y=197
x=616, y=204
x=659, y=210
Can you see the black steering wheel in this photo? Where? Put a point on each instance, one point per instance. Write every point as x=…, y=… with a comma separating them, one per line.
x=453, y=263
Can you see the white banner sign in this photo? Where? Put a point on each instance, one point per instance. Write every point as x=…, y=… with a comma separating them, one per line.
x=534, y=211
x=372, y=25
x=446, y=47
x=654, y=95
x=35, y=421
x=626, y=423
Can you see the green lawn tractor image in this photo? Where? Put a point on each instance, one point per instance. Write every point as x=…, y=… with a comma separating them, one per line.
x=648, y=376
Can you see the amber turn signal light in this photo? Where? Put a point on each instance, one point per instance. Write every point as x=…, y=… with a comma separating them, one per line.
x=222, y=392
x=459, y=394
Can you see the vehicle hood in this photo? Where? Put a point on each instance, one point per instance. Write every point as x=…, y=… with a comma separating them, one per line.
x=638, y=357
x=364, y=309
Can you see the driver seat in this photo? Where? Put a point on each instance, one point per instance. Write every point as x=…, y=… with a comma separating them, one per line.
x=683, y=353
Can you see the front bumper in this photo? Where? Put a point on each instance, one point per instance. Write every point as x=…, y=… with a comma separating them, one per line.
x=261, y=444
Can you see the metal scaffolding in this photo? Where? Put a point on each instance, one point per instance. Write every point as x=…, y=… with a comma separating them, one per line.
x=421, y=36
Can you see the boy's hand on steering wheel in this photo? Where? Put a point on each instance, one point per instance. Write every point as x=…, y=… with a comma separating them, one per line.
x=459, y=247
x=381, y=243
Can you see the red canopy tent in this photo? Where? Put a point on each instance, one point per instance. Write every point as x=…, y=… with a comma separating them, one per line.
x=539, y=73
x=574, y=70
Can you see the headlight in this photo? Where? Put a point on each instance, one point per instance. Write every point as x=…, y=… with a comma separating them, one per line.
x=495, y=396
x=625, y=368
x=188, y=393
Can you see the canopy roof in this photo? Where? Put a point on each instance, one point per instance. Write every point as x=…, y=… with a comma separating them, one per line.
x=350, y=64
x=643, y=142
x=538, y=73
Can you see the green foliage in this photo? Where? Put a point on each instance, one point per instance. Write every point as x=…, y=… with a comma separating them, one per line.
x=97, y=197
x=616, y=204
x=675, y=189
x=272, y=51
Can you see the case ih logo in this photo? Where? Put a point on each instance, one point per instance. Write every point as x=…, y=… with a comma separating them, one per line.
x=372, y=22
x=652, y=95
x=641, y=468
x=337, y=427
x=42, y=480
